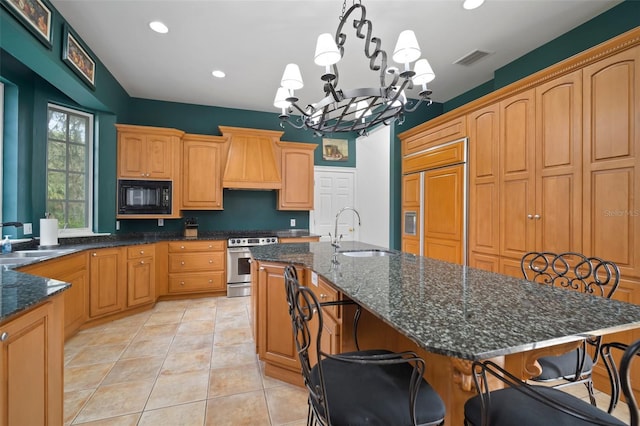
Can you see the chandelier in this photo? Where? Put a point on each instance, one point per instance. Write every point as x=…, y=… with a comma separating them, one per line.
x=360, y=109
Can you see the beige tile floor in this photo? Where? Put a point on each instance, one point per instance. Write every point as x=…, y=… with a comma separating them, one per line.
x=183, y=363
x=186, y=362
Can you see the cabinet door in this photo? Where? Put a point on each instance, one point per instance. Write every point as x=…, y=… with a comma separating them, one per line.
x=131, y=155
x=275, y=333
x=159, y=156
x=201, y=184
x=297, y=177
x=558, y=210
x=411, y=191
x=611, y=158
x=484, y=181
x=517, y=172
x=107, y=282
x=140, y=281
x=31, y=368
x=443, y=213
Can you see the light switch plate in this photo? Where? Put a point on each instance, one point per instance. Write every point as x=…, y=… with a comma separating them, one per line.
x=292, y=222
x=27, y=229
x=160, y=222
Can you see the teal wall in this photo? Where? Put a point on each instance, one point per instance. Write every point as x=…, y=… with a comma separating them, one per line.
x=36, y=75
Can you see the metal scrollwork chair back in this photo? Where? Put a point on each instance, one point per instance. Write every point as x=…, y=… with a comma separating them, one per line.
x=577, y=272
x=362, y=387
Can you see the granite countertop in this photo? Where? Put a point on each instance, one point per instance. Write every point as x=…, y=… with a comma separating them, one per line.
x=455, y=310
x=19, y=291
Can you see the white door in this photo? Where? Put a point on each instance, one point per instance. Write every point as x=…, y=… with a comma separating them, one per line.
x=334, y=189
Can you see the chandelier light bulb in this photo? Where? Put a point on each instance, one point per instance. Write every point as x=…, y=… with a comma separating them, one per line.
x=424, y=72
x=291, y=78
x=327, y=52
x=407, y=49
x=280, y=100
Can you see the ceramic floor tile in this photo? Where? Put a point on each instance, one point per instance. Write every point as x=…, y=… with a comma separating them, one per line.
x=232, y=320
x=73, y=402
x=196, y=327
x=234, y=380
x=196, y=360
x=164, y=317
x=134, y=369
x=97, y=355
x=246, y=409
x=233, y=356
x=157, y=330
x=179, y=388
x=158, y=346
x=114, y=336
x=199, y=313
x=188, y=343
x=171, y=305
x=183, y=415
x=128, y=420
x=116, y=400
x=204, y=302
x=232, y=336
x=286, y=403
x=85, y=376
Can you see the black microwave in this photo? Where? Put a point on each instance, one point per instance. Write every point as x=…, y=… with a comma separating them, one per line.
x=144, y=197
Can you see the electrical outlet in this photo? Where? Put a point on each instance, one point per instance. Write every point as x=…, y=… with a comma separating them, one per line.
x=160, y=222
x=27, y=229
x=292, y=222
x=117, y=225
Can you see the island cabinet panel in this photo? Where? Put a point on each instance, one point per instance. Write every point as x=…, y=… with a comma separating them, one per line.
x=71, y=269
x=196, y=266
x=107, y=284
x=141, y=272
x=297, y=176
x=31, y=366
x=611, y=106
x=202, y=160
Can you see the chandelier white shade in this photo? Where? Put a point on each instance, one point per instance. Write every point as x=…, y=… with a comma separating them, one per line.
x=356, y=109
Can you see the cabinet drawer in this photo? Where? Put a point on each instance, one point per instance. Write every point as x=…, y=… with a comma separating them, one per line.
x=136, y=252
x=209, y=281
x=188, y=262
x=193, y=246
x=326, y=293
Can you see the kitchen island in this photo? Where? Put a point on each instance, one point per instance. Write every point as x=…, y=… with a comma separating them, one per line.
x=450, y=314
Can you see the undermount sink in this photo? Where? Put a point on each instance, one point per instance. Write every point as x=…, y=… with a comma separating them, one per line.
x=366, y=253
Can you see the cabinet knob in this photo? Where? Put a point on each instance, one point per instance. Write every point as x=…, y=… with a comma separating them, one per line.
x=210, y=261
x=536, y=216
x=141, y=251
x=141, y=174
x=182, y=283
x=94, y=254
x=262, y=268
x=323, y=296
x=210, y=281
x=147, y=174
x=181, y=247
x=529, y=216
x=142, y=262
x=182, y=263
x=210, y=246
x=4, y=336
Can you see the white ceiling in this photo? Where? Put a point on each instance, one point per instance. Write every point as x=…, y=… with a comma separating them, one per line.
x=252, y=41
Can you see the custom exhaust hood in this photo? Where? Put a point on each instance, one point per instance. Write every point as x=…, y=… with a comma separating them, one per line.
x=253, y=159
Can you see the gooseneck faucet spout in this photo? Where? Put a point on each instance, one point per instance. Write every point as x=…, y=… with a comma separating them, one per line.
x=336, y=239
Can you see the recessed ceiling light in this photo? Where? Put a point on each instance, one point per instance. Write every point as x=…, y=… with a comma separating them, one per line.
x=218, y=73
x=158, y=27
x=472, y=4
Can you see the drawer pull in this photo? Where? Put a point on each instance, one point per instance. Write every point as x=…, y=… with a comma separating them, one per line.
x=182, y=283
x=210, y=261
x=142, y=262
x=181, y=247
x=323, y=296
x=141, y=251
x=210, y=246
x=4, y=336
x=94, y=254
x=210, y=281
x=182, y=263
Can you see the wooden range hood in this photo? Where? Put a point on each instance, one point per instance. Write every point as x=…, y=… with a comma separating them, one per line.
x=253, y=160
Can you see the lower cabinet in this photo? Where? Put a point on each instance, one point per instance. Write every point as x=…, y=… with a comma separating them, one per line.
x=197, y=266
x=31, y=366
x=108, y=280
x=141, y=274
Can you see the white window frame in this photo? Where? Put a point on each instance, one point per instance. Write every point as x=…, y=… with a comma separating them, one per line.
x=1, y=142
x=64, y=232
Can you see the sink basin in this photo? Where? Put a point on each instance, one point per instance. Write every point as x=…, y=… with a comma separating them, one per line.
x=366, y=253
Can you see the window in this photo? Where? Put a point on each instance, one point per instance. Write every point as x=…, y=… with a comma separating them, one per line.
x=69, y=169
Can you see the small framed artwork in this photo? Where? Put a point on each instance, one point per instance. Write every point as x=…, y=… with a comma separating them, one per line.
x=35, y=15
x=77, y=57
x=335, y=149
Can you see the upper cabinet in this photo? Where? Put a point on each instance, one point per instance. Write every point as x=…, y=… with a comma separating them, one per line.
x=148, y=152
x=202, y=161
x=297, y=176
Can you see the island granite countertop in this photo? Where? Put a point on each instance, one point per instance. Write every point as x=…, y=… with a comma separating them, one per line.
x=20, y=291
x=457, y=310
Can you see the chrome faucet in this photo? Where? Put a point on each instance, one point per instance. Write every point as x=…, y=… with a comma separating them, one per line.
x=336, y=240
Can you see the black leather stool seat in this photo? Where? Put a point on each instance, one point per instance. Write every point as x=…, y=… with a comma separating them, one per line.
x=563, y=365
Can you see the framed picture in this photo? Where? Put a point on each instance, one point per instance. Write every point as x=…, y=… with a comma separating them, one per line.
x=77, y=57
x=335, y=149
x=35, y=15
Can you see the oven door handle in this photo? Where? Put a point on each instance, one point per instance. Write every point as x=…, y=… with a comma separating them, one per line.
x=238, y=250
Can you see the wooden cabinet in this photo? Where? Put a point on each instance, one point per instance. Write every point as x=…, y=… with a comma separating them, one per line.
x=31, y=366
x=71, y=269
x=411, y=196
x=297, y=176
x=148, y=152
x=197, y=266
x=427, y=136
x=108, y=280
x=141, y=274
x=202, y=161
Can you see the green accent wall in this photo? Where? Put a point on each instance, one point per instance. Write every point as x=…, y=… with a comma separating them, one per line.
x=35, y=75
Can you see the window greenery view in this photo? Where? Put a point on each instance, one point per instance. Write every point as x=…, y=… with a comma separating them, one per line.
x=69, y=153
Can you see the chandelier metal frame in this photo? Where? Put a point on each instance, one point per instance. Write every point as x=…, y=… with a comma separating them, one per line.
x=360, y=109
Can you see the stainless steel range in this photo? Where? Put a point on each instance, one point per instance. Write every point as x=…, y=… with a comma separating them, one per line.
x=238, y=266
